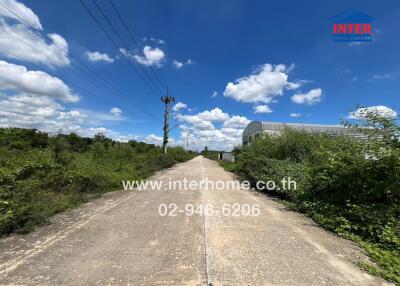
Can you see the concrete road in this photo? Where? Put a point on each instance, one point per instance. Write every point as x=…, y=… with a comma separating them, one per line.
x=121, y=239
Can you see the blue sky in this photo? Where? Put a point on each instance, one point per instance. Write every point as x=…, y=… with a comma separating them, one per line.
x=270, y=61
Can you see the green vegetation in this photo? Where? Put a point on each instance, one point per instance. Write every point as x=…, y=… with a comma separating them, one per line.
x=42, y=175
x=228, y=166
x=210, y=154
x=349, y=187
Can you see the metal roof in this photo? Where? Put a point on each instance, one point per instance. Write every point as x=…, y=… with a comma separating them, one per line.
x=312, y=128
x=258, y=126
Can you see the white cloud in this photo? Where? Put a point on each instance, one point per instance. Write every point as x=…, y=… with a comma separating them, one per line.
x=215, y=114
x=28, y=111
x=95, y=130
x=295, y=114
x=96, y=118
x=44, y=113
x=126, y=53
x=16, y=77
x=116, y=111
x=203, y=131
x=154, y=40
x=154, y=139
x=214, y=94
x=30, y=99
x=24, y=105
x=71, y=115
x=91, y=131
x=236, y=122
x=204, y=125
x=309, y=98
x=268, y=82
x=293, y=85
x=178, y=65
x=217, y=139
x=178, y=106
x=297, y=84
x=262, y=109
x=97, y=56
x=155, y=57
x=379, y=110
x=382, y=76
x=290, y=68
x=25, y=44
x=232, y=132
x=25, y=13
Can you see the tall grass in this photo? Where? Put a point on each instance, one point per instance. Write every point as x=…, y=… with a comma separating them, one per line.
x=350, y=187
x=42, y=175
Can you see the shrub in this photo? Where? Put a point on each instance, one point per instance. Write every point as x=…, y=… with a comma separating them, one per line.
x=350, y=176
x=260, y=168
x=46, y=175
x=349, y=186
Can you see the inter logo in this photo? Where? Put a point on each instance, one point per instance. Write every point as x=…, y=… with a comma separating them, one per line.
x=352, y=26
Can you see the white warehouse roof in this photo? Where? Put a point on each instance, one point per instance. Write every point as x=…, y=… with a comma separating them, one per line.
x=258, y=127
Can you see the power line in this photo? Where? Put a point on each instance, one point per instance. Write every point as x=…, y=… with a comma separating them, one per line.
x=18, y=58
x=116, y=46
x=11, y=55
x=58, y=47
x=33, y=47
x=135, y=41
x=124, y=43
x=94, y=75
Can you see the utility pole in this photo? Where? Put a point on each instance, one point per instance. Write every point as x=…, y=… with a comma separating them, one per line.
x=187, y=141
x=167, y=100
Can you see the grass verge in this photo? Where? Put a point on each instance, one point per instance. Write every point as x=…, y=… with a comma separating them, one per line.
x=42, y=175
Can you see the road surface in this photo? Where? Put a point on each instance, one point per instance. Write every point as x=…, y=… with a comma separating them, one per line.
x=121, y=239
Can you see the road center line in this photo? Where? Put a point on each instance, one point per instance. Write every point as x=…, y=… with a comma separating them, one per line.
x=207, y=250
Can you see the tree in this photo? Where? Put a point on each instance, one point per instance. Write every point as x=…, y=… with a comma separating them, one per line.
x=376, y=126
x=76, y=143
x=100, y=137
x=58, y=145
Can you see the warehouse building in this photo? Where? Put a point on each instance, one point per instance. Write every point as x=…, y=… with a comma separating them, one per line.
x=256, y=128
x=226, y=156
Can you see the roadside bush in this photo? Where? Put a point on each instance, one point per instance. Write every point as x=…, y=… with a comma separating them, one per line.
x=228, y=166
x=210, y=154
x=261, y=168
x=350, y=176
x=179, y=154
x=23, y=139
x=41, y=176
x=349, y=186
